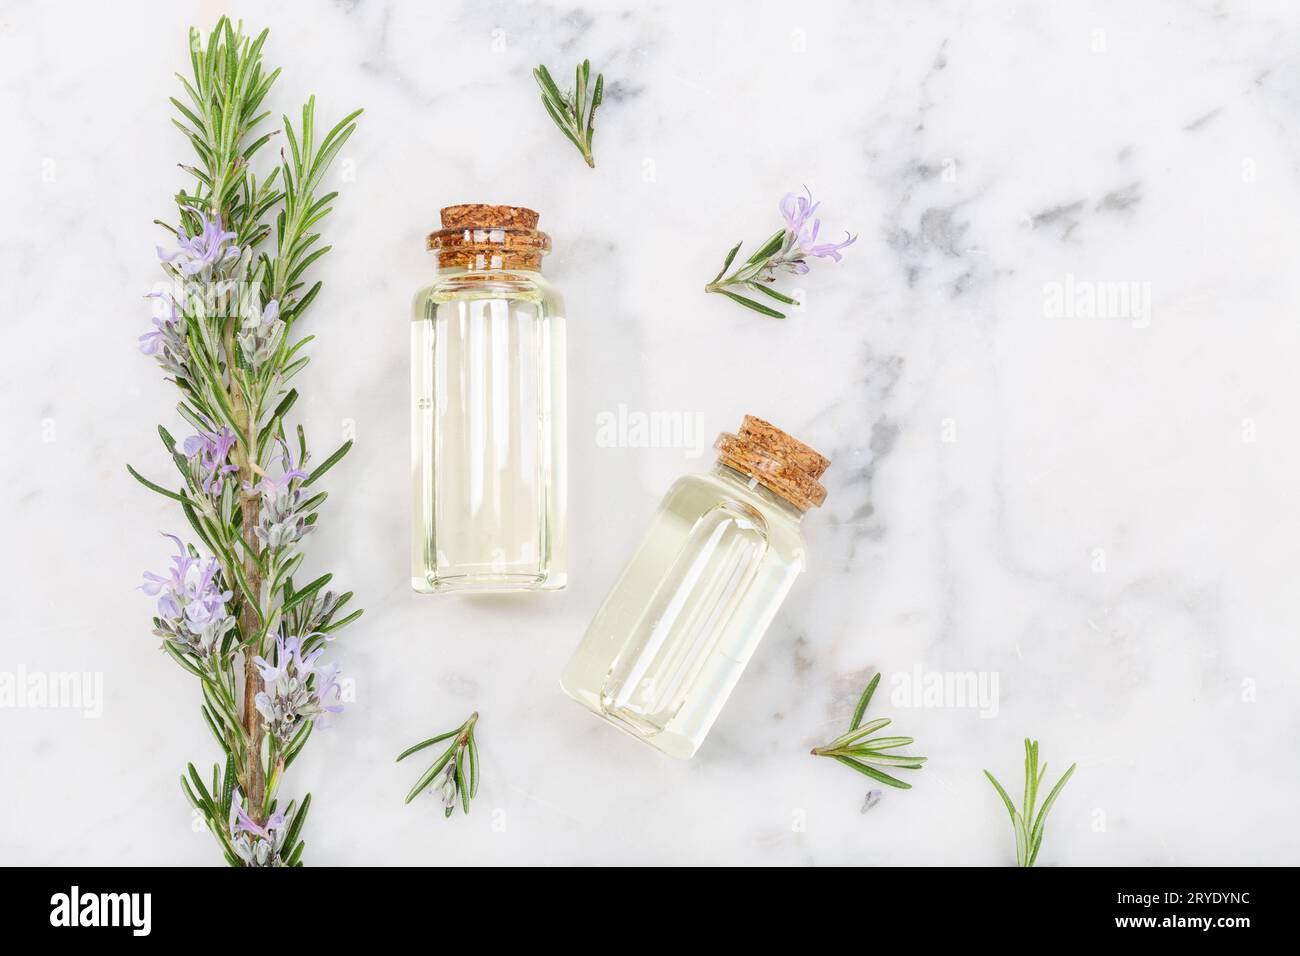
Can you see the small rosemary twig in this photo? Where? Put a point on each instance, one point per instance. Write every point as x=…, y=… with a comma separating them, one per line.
x=856, y=747
x=1030, y=838
x=788, y=250
x=458, y=767
x=571, y=110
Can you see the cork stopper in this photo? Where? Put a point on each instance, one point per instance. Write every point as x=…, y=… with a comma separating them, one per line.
x=485, y=236
x=477, y=215
x=781, y=463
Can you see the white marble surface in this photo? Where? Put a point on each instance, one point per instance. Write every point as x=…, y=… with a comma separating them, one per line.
x=1102, y=511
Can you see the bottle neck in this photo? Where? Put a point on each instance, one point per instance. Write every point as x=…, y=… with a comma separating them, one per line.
x=756, y=488
x=485, y=264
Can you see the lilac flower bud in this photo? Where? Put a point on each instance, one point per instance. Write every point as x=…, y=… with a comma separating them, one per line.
x=167, y=342
x=209, y=455
x=191, y=605
x=256, y=845
x=280, y=525
x=260, y=334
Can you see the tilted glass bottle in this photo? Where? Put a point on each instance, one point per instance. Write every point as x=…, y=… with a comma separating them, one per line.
x=668, y=645
x=487, y=415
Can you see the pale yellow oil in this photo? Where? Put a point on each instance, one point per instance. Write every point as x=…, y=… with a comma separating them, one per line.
x=488, y=434
x=672, y=638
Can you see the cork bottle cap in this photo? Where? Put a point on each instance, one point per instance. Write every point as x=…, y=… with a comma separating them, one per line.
x=477, y=215
x=781, y=463
x=484, y=236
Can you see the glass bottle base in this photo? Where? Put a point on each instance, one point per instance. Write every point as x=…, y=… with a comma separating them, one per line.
x=674, y=745
x=488, y=583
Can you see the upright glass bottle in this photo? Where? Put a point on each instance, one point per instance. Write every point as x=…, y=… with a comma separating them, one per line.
x=668, y=645
x=487, y=415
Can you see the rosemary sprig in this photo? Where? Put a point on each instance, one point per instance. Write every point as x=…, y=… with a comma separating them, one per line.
x=856, y=747
x=226, y=339
x=458, y=767
x=789, y=249
x=571, y=110
x=1030, y=838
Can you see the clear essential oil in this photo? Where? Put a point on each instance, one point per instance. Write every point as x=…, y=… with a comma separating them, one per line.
x=488, y=414
x=671, y=640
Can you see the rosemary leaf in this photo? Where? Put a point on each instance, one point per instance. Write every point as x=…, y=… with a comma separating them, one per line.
x=751, y=304
x=873, y=773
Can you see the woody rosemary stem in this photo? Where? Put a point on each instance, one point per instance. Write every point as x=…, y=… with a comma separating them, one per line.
x=249, y=621
x=248, y=624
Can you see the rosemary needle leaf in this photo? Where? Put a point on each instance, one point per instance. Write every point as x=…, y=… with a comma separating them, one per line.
x=751, y=304
x=887, y=760
x=730, y=258
x=430, y=774
x=769, y=248
x=328, y=463
x=769, y=291
x=884, y=743
x=461, y=784
x=873, y=773
x=1011, y=807
x=153, y=487
x=597, y=98
x=863, y=701
x=870, y=727
x=473, y=766
x=425, y=743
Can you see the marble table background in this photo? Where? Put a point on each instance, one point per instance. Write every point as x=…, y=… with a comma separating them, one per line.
x=1099, y=511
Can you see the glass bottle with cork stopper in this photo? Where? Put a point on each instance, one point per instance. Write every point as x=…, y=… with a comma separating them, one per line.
x=670, y=642
x=488, y=413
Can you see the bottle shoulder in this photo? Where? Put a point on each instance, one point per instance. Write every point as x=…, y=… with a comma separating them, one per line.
x=491, y=284
x=701, y=492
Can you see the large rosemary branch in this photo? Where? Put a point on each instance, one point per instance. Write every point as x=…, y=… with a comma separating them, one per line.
x=236, y=620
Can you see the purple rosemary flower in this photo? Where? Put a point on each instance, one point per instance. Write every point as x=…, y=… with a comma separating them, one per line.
x=295, y=688
x=166, y=341
x=801, y=231
x=260, y=333
x=797, y=210
x=191, y=605
x=211, y=247
x=209, y=455
x=256, y=845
